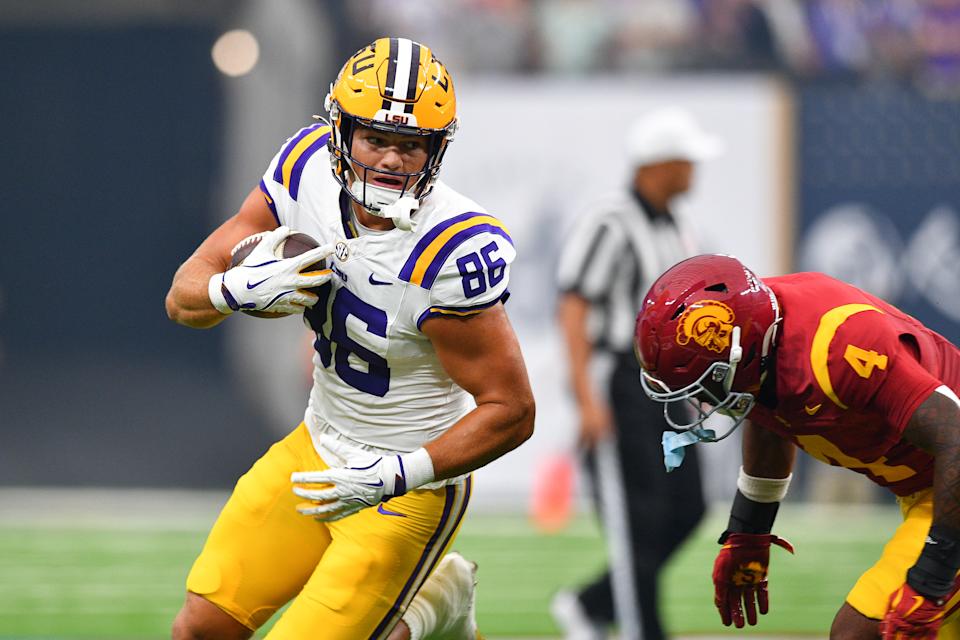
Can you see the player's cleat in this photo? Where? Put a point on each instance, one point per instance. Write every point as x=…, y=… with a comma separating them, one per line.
x=444, y=607
x=573, y=620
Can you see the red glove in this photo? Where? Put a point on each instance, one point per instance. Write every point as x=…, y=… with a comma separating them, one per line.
x=911, y=615
x=740, y=576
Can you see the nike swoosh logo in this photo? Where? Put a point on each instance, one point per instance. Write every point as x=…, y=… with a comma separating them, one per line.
x=257, y=284
x=379, y=483
x=384, y=511
x=917, y=603
x=373, y=280
x=812, y=410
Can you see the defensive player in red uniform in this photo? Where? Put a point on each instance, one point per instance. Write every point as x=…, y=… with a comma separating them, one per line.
x=820, y=365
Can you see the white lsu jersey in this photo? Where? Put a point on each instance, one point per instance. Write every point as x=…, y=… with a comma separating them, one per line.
x=377, y=379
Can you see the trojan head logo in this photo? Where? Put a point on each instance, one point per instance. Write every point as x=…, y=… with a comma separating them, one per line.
x=708, y=323
x=748, y=574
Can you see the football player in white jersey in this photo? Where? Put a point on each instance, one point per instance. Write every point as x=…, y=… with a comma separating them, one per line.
x=418, y=376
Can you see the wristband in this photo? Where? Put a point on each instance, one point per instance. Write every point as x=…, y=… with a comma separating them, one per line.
x=220, y=297
x=750, y=516
x=763, y=489
x=935, y=570
x=417, y=469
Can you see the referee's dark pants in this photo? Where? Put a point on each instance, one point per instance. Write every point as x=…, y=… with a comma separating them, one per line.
x=663, y=508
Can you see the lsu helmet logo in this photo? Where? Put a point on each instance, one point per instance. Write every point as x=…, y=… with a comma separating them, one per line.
x=708, y=323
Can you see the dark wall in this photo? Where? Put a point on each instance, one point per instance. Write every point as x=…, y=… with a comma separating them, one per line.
x=879, y=189
x=111, y=145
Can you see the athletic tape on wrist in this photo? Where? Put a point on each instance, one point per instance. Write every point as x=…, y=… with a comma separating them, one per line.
x=417, y=468
x=763, y=489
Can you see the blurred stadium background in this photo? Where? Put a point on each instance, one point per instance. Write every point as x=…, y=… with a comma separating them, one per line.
x=133, y=127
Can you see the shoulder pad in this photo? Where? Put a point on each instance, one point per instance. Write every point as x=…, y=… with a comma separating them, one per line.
x=293, y=156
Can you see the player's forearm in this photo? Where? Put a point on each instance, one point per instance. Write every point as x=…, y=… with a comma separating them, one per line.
x=946, y=483
x=946, y=480
x=766, y=454
x=933, y=428
x=934, y=572
x=483, y=435
x=188, y=302
x=763, y=480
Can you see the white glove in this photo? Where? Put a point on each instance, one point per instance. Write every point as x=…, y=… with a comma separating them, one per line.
x=365, y=480
x=264, y=282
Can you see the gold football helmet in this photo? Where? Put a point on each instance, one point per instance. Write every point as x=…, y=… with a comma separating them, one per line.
x=394, y=85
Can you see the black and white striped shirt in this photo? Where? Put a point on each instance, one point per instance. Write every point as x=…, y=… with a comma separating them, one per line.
x=613, y=256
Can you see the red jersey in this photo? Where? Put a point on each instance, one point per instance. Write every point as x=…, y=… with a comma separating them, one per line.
x=850, y=371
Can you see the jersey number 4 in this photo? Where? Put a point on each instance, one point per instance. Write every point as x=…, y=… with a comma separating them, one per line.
x=863, y=361
x=338, y=347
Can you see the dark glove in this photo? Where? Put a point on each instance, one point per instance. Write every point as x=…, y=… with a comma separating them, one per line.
x=740, y=575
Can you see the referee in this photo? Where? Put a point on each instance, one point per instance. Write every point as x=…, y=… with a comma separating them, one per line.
x=622, y=244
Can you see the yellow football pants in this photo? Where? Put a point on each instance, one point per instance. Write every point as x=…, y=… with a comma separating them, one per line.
x=348, y=579
x=870, y=594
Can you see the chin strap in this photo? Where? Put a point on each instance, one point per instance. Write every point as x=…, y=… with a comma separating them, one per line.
x=400, y=212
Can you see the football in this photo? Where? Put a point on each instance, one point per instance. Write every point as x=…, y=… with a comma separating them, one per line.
x=293, y=245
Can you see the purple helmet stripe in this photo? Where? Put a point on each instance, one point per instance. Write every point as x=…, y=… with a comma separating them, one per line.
x=391, y=72
x=414, y=72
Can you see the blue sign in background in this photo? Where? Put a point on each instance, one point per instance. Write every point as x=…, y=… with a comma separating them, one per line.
x=879, y=195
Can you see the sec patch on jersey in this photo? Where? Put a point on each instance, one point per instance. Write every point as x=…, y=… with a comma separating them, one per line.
x=293, y=245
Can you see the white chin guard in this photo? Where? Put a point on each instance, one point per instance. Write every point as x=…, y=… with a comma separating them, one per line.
x=374, y=198
x=386, y=203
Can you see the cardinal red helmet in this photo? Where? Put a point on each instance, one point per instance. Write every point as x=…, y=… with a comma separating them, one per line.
x=703, y=335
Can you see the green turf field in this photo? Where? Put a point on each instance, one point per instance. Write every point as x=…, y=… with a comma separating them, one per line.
x=117, y=572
